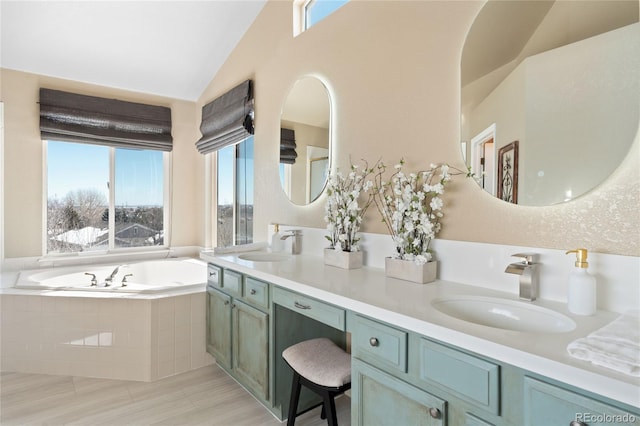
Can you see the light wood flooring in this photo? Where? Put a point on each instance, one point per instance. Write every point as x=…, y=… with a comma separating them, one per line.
x=207, y=396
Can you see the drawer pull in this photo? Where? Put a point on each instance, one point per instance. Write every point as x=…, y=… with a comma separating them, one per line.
x=374, y=342
x=577, y=423
x=301, y=306
x=213, y=274
x=253, y=291
x=434, y=412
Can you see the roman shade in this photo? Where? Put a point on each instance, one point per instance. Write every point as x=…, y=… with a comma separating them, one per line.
x=227, y=120
x=288, y=152
x=70, y=117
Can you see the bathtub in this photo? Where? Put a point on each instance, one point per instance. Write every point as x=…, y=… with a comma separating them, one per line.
x=151, y=276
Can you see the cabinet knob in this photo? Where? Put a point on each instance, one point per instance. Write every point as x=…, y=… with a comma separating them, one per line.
x=253, y=291
x=577, y=423
x=374, y=341
x=213, y=274
x=226, y=302
x=434, y=412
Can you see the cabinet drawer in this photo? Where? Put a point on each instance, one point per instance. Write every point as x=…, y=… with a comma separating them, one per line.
x=379, y=344
x=468, y=377
x=312, y=308
x=213, y=276
x=232, y=282
x=256, y=292
x=548, y=404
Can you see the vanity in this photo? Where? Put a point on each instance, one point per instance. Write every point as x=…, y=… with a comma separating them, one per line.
x=411, y=363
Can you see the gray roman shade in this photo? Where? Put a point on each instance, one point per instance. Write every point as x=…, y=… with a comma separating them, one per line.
x=288, y=152
x=70, y=117
x=227, y=119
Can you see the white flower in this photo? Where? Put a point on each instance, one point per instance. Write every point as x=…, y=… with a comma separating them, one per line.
x=343, y=211
x=411, y=206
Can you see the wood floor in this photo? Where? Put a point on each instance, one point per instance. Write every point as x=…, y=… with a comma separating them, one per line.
x=207, y=396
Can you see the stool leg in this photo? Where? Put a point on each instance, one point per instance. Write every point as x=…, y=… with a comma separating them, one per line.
x=323, y=413
x=293, y=401
x=330, y=409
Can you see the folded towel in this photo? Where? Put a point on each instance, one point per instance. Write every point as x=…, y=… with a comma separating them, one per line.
x=615, y=346
x=240, y=248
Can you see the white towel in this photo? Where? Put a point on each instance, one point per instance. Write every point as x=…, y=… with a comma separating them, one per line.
x=615, y=346
x=240, y=248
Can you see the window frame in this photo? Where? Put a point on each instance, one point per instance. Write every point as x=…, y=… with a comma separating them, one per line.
x=167, y=159
x=213, y=179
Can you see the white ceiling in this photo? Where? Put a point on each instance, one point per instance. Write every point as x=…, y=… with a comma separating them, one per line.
x=168, y=48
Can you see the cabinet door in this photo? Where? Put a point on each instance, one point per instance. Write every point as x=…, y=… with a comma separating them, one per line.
x=219, y=326
x=251, y=348
x=546, y=404
x=381, y=399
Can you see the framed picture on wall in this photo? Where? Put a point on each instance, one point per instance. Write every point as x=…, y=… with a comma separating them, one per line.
x=508, y=173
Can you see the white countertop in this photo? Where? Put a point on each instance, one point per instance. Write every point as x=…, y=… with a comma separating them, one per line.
x=408, y=305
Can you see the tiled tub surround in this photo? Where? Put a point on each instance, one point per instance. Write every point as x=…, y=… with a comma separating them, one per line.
x=106, y=334
x=95, y=335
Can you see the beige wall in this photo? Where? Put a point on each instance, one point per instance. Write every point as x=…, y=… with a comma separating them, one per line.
x=393, y=68
x=23, y=152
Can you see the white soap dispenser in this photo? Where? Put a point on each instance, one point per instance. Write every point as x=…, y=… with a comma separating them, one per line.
x=276, y=242
x=582, y=286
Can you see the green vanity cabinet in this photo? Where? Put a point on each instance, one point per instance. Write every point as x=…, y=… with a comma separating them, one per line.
x=238, y=311
x=399, y=377
x=378, y=398
x=219, y=326
x=546, y=404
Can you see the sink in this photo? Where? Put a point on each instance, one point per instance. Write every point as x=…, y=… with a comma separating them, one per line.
x=264, y=257
x=504, y=313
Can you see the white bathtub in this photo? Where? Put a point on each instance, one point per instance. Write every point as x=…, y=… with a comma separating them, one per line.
x=152, y=276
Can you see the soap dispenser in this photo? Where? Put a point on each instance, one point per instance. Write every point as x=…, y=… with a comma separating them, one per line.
x=276, y=242
x=582, y=286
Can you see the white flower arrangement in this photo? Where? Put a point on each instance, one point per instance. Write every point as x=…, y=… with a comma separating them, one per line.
x=411, y=207
x=343, y=211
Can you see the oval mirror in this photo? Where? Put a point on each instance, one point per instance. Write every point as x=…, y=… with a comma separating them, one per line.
x=550, y=95
x=305, y=140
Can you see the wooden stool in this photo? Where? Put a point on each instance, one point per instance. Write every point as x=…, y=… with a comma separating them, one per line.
x=322, y=366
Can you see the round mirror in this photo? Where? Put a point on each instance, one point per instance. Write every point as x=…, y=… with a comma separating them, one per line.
x=305, y=140
x=550, y=94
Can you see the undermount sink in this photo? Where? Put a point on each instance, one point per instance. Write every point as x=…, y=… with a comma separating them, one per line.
x=505, y=314
x=264, y=257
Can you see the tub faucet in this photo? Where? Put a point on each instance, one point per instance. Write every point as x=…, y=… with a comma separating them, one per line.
x=527, y=268
x=109, y=279
x=296, y=242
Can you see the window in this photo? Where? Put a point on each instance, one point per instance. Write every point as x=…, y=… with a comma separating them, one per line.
x=309, y=12
x=86, y=213
x=235, y=194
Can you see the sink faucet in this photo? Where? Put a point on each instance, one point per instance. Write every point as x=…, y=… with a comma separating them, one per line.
x=296, y=244
x=527, y=268
x=109, y=279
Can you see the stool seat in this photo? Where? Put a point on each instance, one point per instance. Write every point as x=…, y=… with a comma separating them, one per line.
x=320, y=361
x=321, y=366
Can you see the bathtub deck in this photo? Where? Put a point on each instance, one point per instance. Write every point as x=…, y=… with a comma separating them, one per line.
x=206, y=396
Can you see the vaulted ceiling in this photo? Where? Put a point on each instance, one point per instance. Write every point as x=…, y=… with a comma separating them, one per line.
x=168, y=48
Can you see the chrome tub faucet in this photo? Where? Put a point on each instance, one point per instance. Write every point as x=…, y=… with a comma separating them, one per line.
x=527, y=268
x=109, y=279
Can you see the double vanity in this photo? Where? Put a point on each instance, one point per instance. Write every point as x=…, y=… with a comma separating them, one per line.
x=421, y=354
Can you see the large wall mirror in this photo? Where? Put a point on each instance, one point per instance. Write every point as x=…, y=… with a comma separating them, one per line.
x=305, y=143
x=550, y=96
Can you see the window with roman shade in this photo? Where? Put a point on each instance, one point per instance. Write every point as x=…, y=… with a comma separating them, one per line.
x=70, y=117
x=227, y=120
x=288, y=146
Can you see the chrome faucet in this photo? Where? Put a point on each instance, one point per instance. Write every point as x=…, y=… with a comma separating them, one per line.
x=296, y=243
x=527, y=268
x=109, y=279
